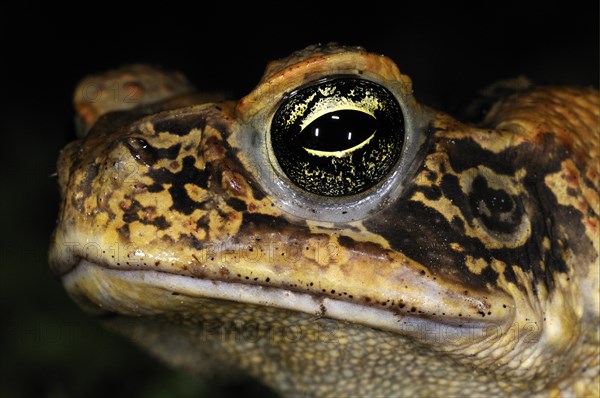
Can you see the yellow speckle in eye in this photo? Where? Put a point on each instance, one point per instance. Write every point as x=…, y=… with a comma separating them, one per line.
x=327, y=90
x=299, y=110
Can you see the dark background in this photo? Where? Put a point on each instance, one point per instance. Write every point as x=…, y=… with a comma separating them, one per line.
x=48, y=348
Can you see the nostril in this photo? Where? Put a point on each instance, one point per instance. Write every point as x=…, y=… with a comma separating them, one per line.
x=148, y=155
x=141, y=151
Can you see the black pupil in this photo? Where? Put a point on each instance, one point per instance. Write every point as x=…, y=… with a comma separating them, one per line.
x=338, y=131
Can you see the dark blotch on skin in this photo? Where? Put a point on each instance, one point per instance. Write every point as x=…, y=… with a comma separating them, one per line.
x=266, y=221
x=190, y=241
x=146, y=154
x=360, y=247
x=452, y=190
x=237, y=204
x=90, y=176
x=124, y=233
x=161, y=223
x=86, y=185
x=347, y=242
x=131, y=214
x=458, y=224
x=189, y=174
x=130, y=211
x=156, y=187
x=180, y=124
x=466, y=153
x=431, y=193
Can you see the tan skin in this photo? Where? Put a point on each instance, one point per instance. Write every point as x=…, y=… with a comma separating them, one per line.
x=469, y=266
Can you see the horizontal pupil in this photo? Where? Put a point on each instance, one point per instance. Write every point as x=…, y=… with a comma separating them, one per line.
x=337, y=131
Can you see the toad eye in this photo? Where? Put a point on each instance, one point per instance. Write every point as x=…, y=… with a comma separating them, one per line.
x=339, y=137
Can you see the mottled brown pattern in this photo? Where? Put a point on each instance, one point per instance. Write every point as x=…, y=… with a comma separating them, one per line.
x=477, y=272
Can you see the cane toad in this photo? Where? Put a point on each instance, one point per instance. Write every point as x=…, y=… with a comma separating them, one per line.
x=330, y=236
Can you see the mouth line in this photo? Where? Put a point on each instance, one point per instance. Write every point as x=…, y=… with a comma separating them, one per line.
x=112, y=290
